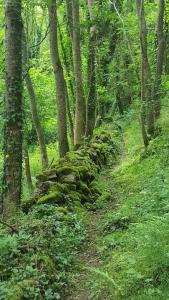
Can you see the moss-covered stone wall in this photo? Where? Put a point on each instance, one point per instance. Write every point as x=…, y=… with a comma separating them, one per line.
x=70, y=182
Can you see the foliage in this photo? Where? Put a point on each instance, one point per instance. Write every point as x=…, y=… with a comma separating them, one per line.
x=135, y=241
x=36, y=261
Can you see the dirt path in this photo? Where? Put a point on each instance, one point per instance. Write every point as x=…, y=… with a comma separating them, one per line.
x=90, y=257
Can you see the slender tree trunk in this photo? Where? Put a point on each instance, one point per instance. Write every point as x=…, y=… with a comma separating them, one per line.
x=80, y=115
x=69, y=16
x=13, y=104
x=91, y=101
x=66, y=64
x=160, y=56
x=59, y=79
x=69, y=114
x=146, y=84
x=34, y=110
x=27, y=169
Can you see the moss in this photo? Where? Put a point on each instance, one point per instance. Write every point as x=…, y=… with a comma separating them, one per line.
x=70, y=178
x=46, y=175
x=94, y=189
x=17, y=293
x=101, y=200
x=83, y=187
x=18, y=290
x=74, y=173
x=70, y=187
x=75, y=196
x=66, y=170
x=61, y=209
x=89, y=206
x=59, y=187
x=52, y=197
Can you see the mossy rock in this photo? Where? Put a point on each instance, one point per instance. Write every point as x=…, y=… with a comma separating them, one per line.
x=69, y=179
x=47, y=175
x=84, y=198
x=66, y=170
x=51, y=198
x=94, y=189
x=83, y=187
x=70, y=187
x=75, y=196
x=59, y=187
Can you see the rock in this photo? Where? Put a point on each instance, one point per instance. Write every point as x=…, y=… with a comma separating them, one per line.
x=71, y=178
x=51, y=198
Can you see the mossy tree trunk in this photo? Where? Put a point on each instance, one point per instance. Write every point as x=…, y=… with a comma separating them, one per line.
x=80, y=114
x=69, y=16
x=91, y=101
x=27, y=168
x=12, y=177
x=59, y=79
x=146, y=79
x=33, y=105
x=160, y=56
x=68, y=71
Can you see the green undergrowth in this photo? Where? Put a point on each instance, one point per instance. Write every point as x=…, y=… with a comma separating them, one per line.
x=135, y=244
x=37, y=256
x=36, y=259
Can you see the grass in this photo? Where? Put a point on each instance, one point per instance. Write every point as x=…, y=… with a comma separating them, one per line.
x=135, y=245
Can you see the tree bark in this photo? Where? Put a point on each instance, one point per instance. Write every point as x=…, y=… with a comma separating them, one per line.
x=69, y=17
x=66, y=64
x=27, y=169
x=59, y=79
x=91, y=101
x=34, y=110
x=160, y=56
x=80, y=114
x=146, y=85
x=13, y=105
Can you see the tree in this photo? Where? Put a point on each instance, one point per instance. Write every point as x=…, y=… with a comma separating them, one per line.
x=91, y=101
x=27, y=168
x=146, y=79
x=12, y=177
x=33, y=105
x=80, y=114
x=59, y=79
x=160, y=56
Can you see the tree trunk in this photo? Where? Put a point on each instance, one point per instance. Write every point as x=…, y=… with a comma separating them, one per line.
x=91, y=101
x=27, y=169
x=160, y=56
x=13, y=104
x=66, y=64
x=80, y=115
x=69, y=17
x=59, y=79
x=146, y=84
x=34, y=111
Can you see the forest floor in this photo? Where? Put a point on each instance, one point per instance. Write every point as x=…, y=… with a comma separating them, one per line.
x=125, y=255
x=90, y=258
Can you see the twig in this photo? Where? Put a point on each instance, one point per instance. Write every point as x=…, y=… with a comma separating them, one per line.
x=51, y=163
x=46, y=34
